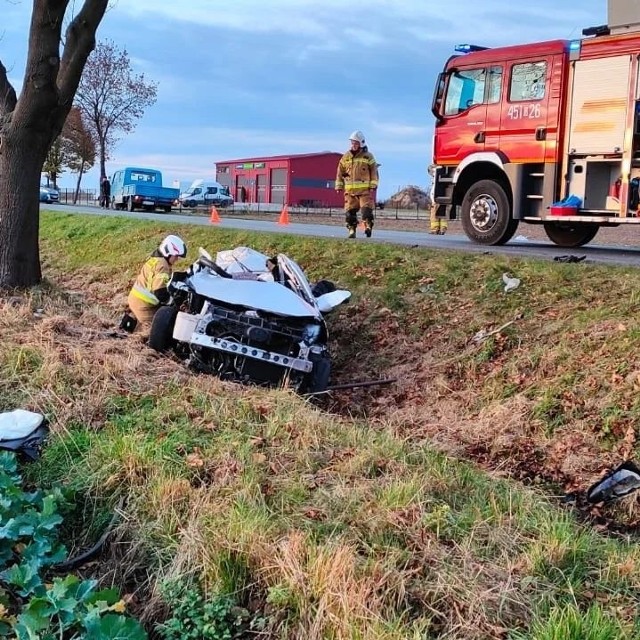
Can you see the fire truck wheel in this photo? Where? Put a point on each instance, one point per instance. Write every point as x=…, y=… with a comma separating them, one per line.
x=571, y=234
x=486, y=214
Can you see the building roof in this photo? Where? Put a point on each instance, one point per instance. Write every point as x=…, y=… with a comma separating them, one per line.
x=284, y=157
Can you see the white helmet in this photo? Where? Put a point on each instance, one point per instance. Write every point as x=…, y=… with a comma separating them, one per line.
x=357, y=136
x=173, y=246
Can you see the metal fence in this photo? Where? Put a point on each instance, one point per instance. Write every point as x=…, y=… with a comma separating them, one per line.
x=244, y=209
x=85, y=196
x=90, y=197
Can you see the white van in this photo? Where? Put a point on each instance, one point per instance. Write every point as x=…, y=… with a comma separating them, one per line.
x=204, y=192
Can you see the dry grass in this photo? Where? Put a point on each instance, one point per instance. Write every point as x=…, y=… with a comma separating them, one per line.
x=324, y=582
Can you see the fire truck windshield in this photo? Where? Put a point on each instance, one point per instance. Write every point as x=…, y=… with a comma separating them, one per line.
x=465, y=89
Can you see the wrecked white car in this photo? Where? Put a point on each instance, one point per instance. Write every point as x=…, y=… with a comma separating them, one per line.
x=249, y=318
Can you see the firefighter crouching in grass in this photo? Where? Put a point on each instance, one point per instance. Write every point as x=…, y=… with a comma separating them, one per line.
x=149, y=290
x=357, y=175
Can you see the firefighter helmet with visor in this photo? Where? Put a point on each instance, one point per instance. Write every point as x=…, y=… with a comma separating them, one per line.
x=173, y=246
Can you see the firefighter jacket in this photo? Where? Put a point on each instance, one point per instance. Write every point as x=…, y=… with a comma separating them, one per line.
x=151, y=284
x=357, y=172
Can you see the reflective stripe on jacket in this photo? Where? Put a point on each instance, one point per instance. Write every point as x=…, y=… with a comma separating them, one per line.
x=154, y=275
x=357, y=172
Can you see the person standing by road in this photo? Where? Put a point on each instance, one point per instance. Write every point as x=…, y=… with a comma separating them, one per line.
x=437, y=226
x=105, y=193
x=357, y=176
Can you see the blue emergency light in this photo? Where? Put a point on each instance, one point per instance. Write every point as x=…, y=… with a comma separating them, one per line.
x=574, y=49
x=469, y=48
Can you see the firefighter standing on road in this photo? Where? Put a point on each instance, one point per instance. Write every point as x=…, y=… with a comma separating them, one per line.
x=150, y=288
x=357, y=176
x=438, y=226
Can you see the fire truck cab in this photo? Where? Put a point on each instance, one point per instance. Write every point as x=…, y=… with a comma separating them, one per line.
x=521, y=128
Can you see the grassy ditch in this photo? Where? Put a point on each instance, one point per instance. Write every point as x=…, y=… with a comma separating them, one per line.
x=427, y=509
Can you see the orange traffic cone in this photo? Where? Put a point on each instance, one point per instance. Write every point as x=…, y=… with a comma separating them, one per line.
x=215, y=217
x=284, y=216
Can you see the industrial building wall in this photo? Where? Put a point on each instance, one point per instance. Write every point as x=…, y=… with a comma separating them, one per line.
x=296, y=180
x=312, y=181
x=224, y=177
x=262, y=185
x=278, y=179
x=252, y=181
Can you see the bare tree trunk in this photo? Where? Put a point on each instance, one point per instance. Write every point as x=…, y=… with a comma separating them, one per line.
x=102, y=144
x=20, y=167
x=75, y=195
x=30, y=124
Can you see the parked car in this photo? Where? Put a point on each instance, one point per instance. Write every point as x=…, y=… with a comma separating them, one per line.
x=240, y=319
x=49, y=195
x=202, y=192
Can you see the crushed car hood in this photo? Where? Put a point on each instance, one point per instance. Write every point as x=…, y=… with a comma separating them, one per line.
x=270, y=297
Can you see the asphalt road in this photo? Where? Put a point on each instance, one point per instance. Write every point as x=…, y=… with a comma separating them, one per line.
x=519, y=246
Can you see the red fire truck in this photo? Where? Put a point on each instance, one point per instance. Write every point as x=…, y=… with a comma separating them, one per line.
x=520, y=129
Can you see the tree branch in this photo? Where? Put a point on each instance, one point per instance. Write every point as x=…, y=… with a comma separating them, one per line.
x=38, y=97
x=80, y=42
x=8, y=97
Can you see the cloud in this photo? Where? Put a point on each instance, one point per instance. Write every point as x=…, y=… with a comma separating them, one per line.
x=233, y=142
x=366, y=21
x=174, y=167
x=363, y=37
x=284, y=16
x=400, y=129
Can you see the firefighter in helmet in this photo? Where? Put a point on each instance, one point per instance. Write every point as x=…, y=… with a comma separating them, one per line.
x=357, y=176
x=149, y=290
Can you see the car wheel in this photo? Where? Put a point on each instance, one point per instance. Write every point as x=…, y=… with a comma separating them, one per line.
x=161, y=333
x=318, y=379
x=130, y=204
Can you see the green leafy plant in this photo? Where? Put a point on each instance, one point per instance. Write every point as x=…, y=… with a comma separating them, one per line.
x=31, y=607
x=193, y=617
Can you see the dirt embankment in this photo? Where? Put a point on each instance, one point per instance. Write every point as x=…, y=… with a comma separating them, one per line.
x=492, y=399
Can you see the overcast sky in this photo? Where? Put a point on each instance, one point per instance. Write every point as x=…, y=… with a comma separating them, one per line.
x=243, y=78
